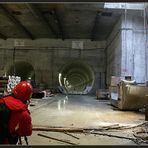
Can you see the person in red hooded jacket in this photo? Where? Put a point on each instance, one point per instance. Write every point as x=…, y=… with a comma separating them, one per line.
x=20, y=122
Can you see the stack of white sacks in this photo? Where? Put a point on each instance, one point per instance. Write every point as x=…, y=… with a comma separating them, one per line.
x=12, y=82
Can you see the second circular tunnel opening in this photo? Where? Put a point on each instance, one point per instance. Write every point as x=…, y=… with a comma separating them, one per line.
x=76, y=78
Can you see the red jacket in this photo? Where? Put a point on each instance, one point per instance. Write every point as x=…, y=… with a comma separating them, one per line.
x=20, y=120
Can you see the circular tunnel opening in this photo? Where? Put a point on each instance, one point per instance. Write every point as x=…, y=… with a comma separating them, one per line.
x=76, y=78
x=23, y=70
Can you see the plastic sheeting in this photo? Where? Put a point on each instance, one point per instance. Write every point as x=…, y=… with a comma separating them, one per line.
x=128, y=96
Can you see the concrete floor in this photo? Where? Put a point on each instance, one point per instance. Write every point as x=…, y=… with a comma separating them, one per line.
x=80, y=111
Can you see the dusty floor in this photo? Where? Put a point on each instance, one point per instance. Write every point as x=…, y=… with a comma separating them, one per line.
x=81, y=112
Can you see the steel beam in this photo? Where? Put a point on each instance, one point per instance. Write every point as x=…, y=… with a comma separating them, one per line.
x=7, y=13
x=57, y=19
x=94, y=30
x=38, y=14
x=3, y=36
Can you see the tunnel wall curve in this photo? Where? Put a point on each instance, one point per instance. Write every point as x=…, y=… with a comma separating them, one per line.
x=22, y=69
x=76, y=77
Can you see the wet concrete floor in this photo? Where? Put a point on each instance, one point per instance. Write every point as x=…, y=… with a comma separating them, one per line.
x=80, y=111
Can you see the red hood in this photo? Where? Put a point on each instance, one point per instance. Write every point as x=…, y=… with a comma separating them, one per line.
x=14, y=104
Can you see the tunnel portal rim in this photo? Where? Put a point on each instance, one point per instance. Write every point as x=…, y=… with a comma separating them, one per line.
x=86, y=67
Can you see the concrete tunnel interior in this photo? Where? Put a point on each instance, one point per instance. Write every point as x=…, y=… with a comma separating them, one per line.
x=76, y=77
x=88, y=65
x=23, y=70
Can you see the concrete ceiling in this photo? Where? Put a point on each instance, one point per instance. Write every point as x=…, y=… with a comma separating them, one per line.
x=56, y=20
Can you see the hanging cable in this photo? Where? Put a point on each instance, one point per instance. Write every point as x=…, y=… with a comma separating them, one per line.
x=125, y=49
x=145, y=39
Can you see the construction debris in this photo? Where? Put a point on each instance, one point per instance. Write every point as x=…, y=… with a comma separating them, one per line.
x=141, y=133
x=115, y=136
x=80, y=129
x=56, y=139
x=72, y=130
x=71, y=135
x=138, y=134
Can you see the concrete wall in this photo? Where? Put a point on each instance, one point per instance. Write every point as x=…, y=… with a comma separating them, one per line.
x=48, y=56
x=122, y=54
x=126, y=49
x=113, y=52
x=133, y=48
